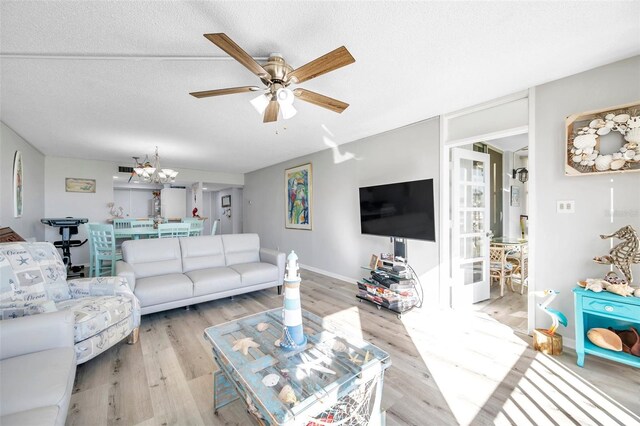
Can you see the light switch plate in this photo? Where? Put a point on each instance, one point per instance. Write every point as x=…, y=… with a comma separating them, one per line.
x=565, y=206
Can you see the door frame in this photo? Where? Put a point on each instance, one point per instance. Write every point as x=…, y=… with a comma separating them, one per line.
x=446, y=279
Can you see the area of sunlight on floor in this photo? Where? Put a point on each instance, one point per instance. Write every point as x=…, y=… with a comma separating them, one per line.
x=347, y=321
x=478, y=365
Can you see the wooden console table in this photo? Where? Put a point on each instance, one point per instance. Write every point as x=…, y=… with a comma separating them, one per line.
x=604, y=310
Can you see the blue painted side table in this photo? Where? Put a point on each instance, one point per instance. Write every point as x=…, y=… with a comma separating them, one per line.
x=602, y=310
x=358, y=371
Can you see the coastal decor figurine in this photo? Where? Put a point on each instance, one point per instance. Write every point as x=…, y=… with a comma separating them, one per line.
x=293, y=334
x=623, y=255
x=547, y=341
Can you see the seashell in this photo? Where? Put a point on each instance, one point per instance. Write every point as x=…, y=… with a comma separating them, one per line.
x=573, y=150
x=592, y=156
x=617, y=164
x=617, y=155
x=629, y=154
x=270, y=380
x=588, y=150
x=576, y=158
x=595, y=287
x=609, y=116
x=578, y=151
x=338, y=346
x=620, y=289
x=604, y=338
x=609, y=124
x=603, y=131
x=584, y=141
x=636, y=292
x=636, y=158
x=622, y=128
x=584, y=162
x=597, y=123
x=591, y=163
x=262, y=326
x=603, y=162
x=591, y=131
x=288, y=396
x=633, y=122
x=621, y=118
x=631, y=145
x=584, y=129
x=633, y=135
x=277, y=342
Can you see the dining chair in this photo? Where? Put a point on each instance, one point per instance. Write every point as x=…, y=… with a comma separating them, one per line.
x=214, y=226
x=197, y=225
x=499, y=267
x=122, y=223
x=172, y=230
x=520, y=260
x=142, y=224
x=102, y=248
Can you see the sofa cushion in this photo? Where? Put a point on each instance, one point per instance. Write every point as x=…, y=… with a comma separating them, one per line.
x=165, y=288
x=95, y=345
x=241, y=248
x=94, y=314
x=213, y=280
x=38, y=379
x=31, y=272
x=256, y=273
x=148, y=258
x=201, y=252
x=37, y=416
x=23, y=309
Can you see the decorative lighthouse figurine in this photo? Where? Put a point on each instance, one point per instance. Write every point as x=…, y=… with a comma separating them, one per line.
x=293, y=334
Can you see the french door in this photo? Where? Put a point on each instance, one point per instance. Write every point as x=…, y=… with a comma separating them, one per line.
x=470, y=232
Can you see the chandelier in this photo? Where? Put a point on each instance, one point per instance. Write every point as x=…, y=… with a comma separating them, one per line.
x=153, y=173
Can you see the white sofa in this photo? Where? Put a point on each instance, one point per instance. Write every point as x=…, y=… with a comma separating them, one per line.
x=37, y=369
x=169, y=273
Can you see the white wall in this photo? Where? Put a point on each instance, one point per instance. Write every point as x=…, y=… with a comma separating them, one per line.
x=512, y=213
x=335, y=244
x=566, y=243
x=59, y=203
x=27, y=226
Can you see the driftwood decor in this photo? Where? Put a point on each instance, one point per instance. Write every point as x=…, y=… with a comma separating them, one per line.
x=603, y=141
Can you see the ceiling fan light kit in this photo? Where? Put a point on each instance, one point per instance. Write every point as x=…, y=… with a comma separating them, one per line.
x=277, y=75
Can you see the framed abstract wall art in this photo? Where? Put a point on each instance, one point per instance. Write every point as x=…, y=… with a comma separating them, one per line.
x=80, y=185
x=298, y=197
x=18, y=190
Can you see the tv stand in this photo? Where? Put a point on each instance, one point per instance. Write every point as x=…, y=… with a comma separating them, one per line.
x=400, y=297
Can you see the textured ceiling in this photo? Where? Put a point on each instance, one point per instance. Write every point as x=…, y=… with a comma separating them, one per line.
x=413, y=61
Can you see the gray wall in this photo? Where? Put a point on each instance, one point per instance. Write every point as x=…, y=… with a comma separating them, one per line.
x=566, y=243
x=28, y=226
x=335, y=244
x=233, y=224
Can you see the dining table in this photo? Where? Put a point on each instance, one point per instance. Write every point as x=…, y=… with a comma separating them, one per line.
x=519, y=246
x=135, y=233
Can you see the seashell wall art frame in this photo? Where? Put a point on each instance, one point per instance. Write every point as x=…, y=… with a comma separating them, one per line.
x=603, y=141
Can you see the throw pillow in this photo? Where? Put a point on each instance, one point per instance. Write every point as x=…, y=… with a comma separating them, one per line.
x=97, y=286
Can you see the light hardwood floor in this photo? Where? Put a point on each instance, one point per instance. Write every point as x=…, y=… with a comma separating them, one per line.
x=511, y=309
x=448, y=368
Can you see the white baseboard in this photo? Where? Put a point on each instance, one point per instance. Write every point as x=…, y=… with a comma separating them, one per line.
x=329, y=274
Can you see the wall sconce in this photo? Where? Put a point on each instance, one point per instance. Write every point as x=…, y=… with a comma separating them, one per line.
x=522, y=174
x=227, y=212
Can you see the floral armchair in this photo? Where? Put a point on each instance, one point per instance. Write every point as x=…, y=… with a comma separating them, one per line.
x=33, y=281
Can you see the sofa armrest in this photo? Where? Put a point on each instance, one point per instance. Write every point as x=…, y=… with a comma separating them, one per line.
x=36, y=333
x=275, y=258
x=123, y=269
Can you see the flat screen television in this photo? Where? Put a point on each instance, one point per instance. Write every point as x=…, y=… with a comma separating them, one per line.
x=403, y=210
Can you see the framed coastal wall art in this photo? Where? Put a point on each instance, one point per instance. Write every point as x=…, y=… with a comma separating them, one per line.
x=603, y=141
x=298, y=197
x=18, y=181
x=80, y=185
x=226, y=201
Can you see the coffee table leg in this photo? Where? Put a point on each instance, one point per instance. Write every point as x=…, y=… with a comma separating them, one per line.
x=223, y=391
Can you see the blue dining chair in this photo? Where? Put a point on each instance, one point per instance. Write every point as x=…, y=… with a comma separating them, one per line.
x=197, y=225
x=173, y=230
x=102, y=248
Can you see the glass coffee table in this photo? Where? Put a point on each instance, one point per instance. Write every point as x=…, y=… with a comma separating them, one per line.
x=331, y=379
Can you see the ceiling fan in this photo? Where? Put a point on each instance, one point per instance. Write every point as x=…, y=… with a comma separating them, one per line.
x=277, y=75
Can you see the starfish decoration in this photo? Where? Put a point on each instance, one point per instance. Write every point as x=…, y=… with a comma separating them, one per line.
x=243, y=345
x=354, y=359
x=309, y=364
x=23, y=261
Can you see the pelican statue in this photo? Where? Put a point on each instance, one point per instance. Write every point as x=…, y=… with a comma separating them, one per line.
x=557, y=317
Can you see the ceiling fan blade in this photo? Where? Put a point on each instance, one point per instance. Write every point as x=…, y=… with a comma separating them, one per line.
x=321, y=100
x=331, y=61
x=225, y=43
x=228, y=91
x=271, y=113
